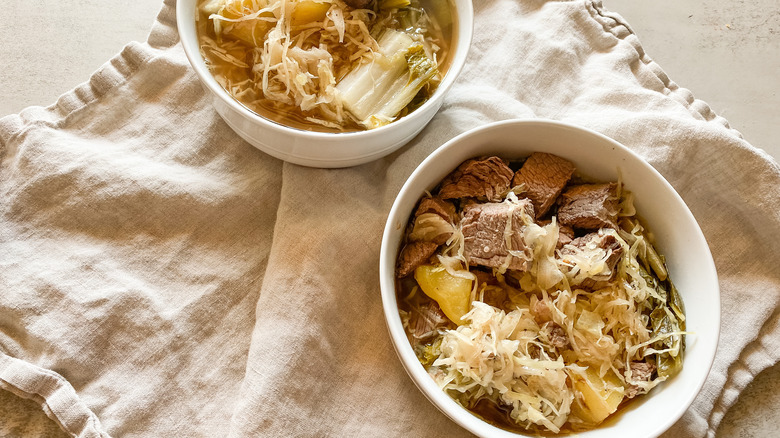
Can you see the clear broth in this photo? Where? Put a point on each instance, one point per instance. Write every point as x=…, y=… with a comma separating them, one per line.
x=292, y=116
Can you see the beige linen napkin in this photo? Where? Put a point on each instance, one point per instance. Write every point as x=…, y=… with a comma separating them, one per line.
x=161, y=277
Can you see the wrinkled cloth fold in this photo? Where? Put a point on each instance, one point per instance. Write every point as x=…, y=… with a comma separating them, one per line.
x=161, y=277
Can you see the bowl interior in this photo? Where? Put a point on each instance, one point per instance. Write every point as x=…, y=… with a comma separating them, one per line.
x=677, y=234
x=462, y=33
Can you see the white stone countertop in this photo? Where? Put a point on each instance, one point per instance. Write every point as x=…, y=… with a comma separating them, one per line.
x=726, y=53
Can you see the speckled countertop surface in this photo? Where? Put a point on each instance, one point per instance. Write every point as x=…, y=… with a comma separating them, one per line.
x=726, y=53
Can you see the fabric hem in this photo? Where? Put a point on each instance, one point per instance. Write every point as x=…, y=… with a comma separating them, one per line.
x=754, y=358
x=617, y=26
x=115, y=73
x=53, y=393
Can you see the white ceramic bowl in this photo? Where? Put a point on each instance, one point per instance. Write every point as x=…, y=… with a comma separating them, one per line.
x=318, y=149
x=678, y=237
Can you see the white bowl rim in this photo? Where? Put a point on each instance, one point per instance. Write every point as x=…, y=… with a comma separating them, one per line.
x=465, y=21
x=414, y=369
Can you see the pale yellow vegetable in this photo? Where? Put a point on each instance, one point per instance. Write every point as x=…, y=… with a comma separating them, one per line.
x=600, y=396
x=309, y=11
x=250, y=31
x=452, y=293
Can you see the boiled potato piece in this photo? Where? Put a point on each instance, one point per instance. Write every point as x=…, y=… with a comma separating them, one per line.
x=452, y=293
x=601, y=397
x=309, y=11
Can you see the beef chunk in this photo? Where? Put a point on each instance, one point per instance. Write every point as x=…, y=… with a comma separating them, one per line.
x=596, y=245
x=597, y=241
x=432, y=220
x=426, y=320
x=494, y=296
x=478, y=178
x=493, y=293
x=565, y=235
x=540, y=311
x=640, y=372
x=358, y=4
x=589, y=206
x=558, y=337
x=544, y=176
x=414, y=255
x=432, y=228
x=484, y=278
x=483, y=227
x=443, y=208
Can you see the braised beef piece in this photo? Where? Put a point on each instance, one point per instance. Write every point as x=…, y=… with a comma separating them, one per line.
x=540, y=311
x=606, y=242
x=589, y=206
x=478, y=178
x=436, y=205
x=494, y=293
x=544, y=176
x=414, y=255
x=425, y=320
x=358, y=4
x=642, y=372
x=430, y=227
x=565, y=233
x=484, y=278
x=483, y=228
x=558, y=337
x=494, y=296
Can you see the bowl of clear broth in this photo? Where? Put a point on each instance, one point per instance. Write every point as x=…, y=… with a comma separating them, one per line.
x=326, y=83
x=541, y=279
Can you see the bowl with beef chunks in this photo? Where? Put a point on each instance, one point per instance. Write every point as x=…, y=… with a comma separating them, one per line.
x=539, y=278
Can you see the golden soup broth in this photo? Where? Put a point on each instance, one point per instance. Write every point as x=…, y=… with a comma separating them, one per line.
x=441, y=32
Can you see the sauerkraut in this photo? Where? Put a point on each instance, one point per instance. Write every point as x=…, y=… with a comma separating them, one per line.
x=560, y=342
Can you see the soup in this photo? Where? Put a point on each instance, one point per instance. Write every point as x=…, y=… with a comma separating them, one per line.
x=535, y=298
x=327, y=65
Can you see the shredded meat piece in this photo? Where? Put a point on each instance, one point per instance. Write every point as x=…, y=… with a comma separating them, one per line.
x=596, y=242
x=431, y=227
x=358, y=4
x=642, y=372
x=414, y=255
x=494, y=296
x=478, y=178
x=558, y=337
x=426, y=320
x=484, y=277
x=589, y=206
x=540, y=311
x=565, y=233
x=544, y=176
x=483, y=228
x=436, y=205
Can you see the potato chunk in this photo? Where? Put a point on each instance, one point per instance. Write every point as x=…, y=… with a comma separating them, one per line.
x=600, y=396
x=452, y=293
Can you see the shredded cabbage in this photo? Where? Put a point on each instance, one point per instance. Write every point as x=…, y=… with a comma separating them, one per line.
x=492, y=356
x=595, y=313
